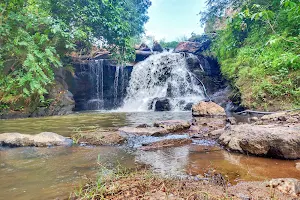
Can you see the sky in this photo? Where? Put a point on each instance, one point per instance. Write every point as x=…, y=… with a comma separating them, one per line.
x=172, y=19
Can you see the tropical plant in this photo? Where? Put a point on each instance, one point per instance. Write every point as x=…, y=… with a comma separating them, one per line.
x=36, y=36
x=259, y=51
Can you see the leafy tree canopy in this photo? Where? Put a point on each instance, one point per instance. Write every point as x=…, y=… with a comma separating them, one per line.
x=35, y=36
x=258, y=49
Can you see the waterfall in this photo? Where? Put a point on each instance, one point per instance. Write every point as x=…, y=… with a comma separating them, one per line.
x=116, y=84
x=96, y=79
x=162, y=77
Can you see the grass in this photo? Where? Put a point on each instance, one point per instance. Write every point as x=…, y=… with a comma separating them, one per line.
x=141, y=183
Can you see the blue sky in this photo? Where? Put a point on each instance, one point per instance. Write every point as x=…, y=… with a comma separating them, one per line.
x=171, y=19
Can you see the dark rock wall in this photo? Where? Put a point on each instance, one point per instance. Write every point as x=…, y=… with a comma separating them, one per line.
x=114, y=89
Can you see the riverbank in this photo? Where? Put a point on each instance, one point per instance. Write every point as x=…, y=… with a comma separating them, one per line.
x=144, y=184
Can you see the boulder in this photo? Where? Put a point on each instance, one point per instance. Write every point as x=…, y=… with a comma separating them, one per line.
x=173, y=125
x=157, y=47
x=160, y=104
x=99, y=138
x=289, y=186
x=146, y=131
x=40, y=140
x=208, y=109
x=263, y=140
x=144, y=47
x=188, y=47
x=166, y=143
x=160, y=128
x=281, y=118
x=142, y=55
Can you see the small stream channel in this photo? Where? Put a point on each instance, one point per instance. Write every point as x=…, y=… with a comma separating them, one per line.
x=49, y=173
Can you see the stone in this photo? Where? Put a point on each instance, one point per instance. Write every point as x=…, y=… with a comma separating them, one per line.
x=275, y=117
x=160, y=104
x=40, y=140
x=263, y=140
x=231, y=120
x=173, y=125
x=282, y=118
x=99, y=138
x=160, y=128
x=203, y=126
x=166, y=143
x=208, y=109
x=144, y=47
x=289, y=186
x=254, y=119
x=297, y=165
x=188, y=47
x=148, y=131
x=292, y=120
x=157, y=47
x=142, y=55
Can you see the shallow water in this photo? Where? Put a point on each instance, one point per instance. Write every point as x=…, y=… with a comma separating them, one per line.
x=65, y=125
x=47, y=173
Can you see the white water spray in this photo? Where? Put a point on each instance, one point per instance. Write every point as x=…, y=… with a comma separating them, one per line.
x=164, y=75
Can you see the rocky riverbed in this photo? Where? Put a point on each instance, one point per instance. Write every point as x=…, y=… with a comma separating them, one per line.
x=190, y=148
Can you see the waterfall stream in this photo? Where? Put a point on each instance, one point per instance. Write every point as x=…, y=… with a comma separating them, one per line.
x=96, y=79
x=163, y=77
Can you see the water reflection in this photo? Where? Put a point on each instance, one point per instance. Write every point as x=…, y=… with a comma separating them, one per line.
x=47, y=173
x=169, y=162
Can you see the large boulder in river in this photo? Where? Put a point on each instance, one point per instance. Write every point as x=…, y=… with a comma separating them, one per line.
x=40, y=140
x=143, y=131
x=99, y=138
x=279, y=141
x=173, y=125
x=208, y=109
x=188, y=47
x=160, y=128
x=160, y=104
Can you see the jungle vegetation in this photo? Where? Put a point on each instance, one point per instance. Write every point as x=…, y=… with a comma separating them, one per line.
x=257, y=43
x=37, y=35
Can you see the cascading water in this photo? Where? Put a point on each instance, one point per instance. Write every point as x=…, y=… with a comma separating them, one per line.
x=162, y=77
x=96, y=78
x=116, y=84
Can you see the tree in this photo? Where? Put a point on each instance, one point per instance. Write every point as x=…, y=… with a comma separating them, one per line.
x=258, y=50
x=35, y=36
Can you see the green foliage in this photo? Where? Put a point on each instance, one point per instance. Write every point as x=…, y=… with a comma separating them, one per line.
x=35, y=35
x=169, y=45
x=259, y=52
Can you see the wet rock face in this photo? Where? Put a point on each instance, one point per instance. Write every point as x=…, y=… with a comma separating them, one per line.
x=286, y=185
x=208, y=109
x=263, y=140
x=99, y=138
x=44, y=139
x=160, y=104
